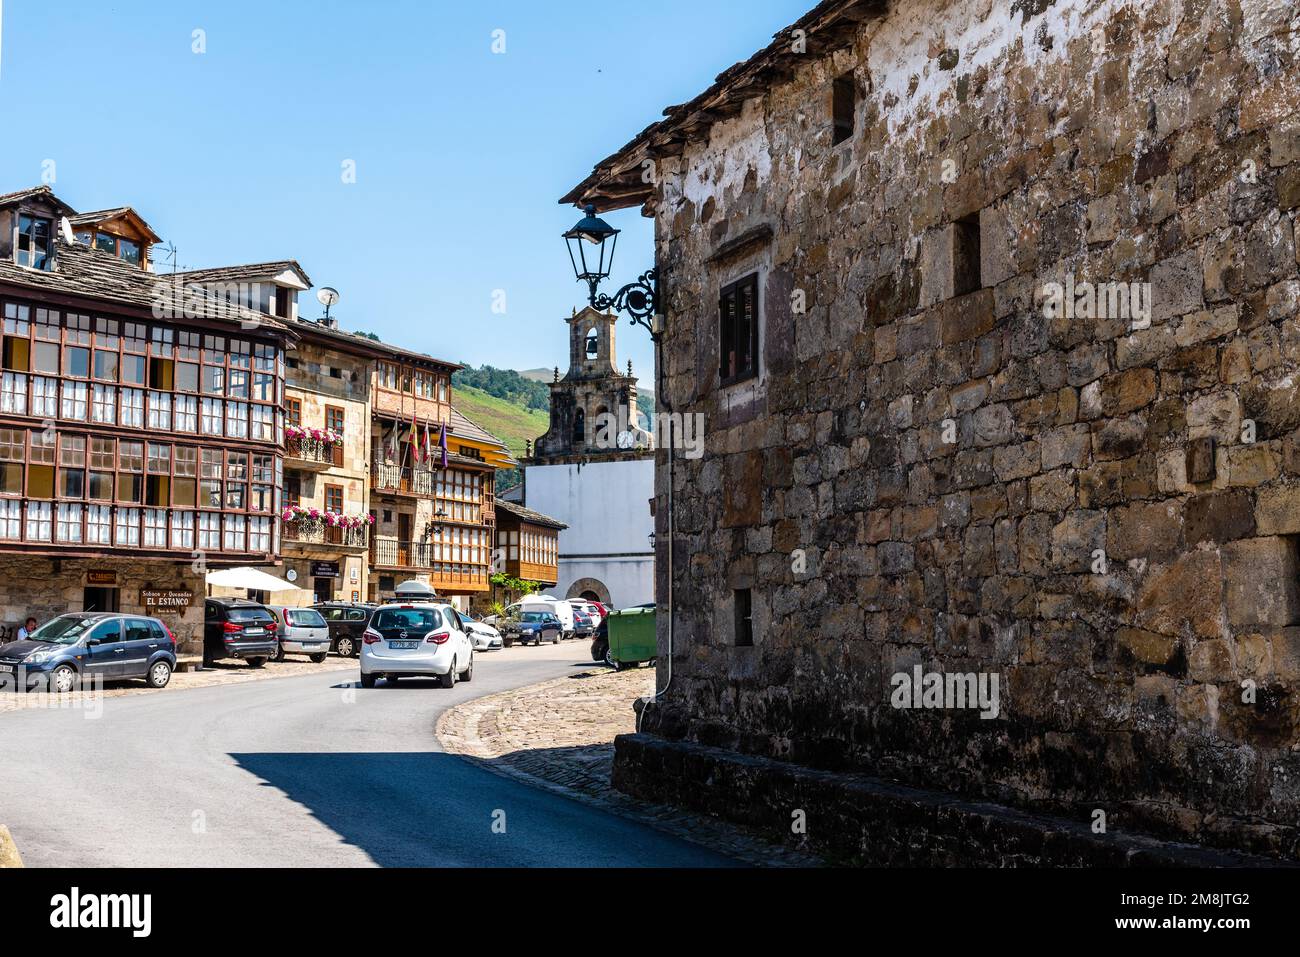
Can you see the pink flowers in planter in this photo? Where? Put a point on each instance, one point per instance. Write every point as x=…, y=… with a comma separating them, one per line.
x=323, y=436
x=311, y=516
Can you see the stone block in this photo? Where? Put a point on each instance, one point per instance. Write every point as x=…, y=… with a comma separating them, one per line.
x=1218, y=517
x=1150, y=531
x=1277, y=510
x=1260, y=585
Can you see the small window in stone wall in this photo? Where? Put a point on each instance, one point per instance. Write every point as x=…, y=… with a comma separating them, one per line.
x=744, y=611
x=966, y=255
x=738, y=331
x=844, y=107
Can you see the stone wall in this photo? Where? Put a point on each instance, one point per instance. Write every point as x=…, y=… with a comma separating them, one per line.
x=1098, y=510
x=44, y=588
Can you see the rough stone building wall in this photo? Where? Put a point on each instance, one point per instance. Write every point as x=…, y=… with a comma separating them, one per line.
x=46, y=587
x=1114, y=141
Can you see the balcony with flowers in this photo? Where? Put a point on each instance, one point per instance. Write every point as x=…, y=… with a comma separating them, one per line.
x=305, y=525
x=312, y=449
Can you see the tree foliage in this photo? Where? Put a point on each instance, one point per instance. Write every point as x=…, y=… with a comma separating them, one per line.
x=505, y=384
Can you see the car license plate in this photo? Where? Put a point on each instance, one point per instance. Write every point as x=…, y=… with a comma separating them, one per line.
x=313, y=646
x=254, y=631
x=9, y=668
x=403, y=645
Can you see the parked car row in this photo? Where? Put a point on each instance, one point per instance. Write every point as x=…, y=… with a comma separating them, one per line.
x=112, y=646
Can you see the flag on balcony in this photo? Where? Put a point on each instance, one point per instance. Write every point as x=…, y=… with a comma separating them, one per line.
x=428, y=444
x=415, y=445
x=442, y=443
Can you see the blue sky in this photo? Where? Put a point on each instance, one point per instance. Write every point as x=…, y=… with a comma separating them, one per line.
x=235, y=155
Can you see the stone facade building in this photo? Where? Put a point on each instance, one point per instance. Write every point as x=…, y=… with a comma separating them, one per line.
x=435, y=511
x=327, y=461
x=991, y=311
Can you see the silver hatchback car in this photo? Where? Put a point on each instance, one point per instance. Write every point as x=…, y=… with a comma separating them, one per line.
x=302, y=631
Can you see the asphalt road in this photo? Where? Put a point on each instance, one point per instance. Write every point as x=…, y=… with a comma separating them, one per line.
x=310, y=771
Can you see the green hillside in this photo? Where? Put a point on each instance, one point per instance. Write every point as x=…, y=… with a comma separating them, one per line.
x=511, y=423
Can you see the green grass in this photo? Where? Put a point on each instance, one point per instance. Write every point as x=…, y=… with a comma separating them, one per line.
x=512, y=424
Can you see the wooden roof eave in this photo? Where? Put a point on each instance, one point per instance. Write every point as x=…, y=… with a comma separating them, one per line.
x=825, y=28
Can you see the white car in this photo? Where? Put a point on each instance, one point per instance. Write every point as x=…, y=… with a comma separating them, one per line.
x=302, y=631
x=416, y=639
x=483, y=636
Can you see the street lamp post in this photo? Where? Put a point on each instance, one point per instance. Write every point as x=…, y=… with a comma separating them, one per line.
x=591, y=250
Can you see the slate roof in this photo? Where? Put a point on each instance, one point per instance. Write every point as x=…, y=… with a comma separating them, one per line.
x=617, y=181
x=103, y=215
x=310, y=327
x=99, y=215
x=8, y=199
x=247, y=272
x=528, y=515
x=82, y=271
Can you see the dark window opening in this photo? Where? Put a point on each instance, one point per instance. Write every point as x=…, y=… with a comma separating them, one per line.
x=580, y=427
x=35, y=237
x=738, y=331
x=744, y=618
x=966, y=255
x=844, y=107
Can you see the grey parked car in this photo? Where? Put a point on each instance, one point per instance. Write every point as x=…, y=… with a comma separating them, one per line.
x=71, y=647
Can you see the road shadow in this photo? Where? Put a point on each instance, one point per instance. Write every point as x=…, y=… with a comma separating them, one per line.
x=437, y=810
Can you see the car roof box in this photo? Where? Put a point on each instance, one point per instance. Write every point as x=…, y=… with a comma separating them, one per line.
x=416, y=590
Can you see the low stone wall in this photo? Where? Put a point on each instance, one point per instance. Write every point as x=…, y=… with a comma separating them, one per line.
x=856, y=819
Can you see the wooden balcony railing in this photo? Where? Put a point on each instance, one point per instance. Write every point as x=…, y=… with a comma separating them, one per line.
x=395, y=478
x=419, y=556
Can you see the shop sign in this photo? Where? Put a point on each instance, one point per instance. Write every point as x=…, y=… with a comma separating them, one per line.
x=325, y=569
x=166, y=599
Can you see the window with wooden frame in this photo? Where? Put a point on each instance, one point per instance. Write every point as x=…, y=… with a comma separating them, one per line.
x=35, y=248
x=293, y=412
x=334, y=503
x=738, y=319
x=293, y=489
x=334, y=418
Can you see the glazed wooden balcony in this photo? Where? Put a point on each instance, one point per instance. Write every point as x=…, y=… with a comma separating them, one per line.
x=395, y=555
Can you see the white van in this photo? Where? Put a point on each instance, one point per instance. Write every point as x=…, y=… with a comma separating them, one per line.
x=560, y=609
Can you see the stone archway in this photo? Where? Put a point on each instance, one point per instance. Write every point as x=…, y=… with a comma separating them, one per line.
x=583, y=586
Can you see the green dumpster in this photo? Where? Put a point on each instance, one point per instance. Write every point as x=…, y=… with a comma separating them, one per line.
x=632, y=637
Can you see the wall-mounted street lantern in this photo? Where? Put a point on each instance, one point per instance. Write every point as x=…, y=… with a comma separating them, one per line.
x=591, y=249
x=651, y=536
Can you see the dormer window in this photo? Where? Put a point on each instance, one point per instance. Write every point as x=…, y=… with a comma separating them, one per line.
x=128, y=250
x=35, y=242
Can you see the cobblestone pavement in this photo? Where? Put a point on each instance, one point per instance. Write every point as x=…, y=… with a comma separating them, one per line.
x=559, y=735
x=222, y=673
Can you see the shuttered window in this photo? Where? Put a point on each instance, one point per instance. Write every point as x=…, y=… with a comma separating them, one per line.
x=738, y=331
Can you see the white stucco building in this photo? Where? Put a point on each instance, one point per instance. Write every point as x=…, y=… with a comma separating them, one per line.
x=605, y=552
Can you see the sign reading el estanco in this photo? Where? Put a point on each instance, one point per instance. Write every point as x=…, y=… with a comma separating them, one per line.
x=166, y=598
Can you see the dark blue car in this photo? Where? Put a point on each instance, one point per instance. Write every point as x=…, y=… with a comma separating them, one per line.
x=67, y=649
x=532, y=626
